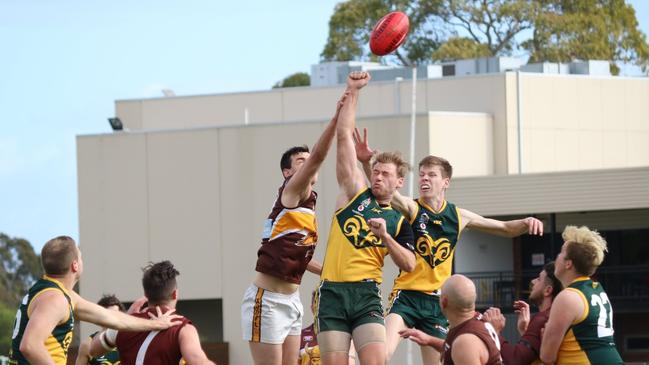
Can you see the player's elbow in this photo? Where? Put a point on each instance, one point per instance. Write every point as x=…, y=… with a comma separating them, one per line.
x=547, y=358
x=409, y=264
x=28, y=347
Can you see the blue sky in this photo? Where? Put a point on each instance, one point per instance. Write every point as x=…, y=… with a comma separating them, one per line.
x=64, y=63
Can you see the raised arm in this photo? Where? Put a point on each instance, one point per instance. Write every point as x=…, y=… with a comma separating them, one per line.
x=93, y=313
x=511, y=228
x=364, y=154
x=349, y=178
x=299, y=186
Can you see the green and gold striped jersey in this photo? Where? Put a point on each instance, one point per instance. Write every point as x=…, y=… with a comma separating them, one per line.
x=354, y=253
x=589, y=339
x=436, y=236
x=59, y=340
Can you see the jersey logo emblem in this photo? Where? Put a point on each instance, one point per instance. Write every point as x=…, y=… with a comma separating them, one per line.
x=359, y=234
x=434, y=252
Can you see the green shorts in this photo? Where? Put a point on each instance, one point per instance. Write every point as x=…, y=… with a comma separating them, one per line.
x=345, y=306
x=419, y=310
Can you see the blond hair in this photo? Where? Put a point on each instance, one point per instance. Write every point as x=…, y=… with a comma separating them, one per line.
x=585, y=248
x=394, y=158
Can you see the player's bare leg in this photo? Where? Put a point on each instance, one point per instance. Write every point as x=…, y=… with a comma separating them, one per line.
x=369, y=340
x=267, y=354
x=334, y=347
x=290, y=350
x=393, y=324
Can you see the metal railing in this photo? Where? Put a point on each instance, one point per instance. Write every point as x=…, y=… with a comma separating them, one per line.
x=627, y=287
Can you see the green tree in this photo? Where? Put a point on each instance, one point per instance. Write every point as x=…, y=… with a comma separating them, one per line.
x=588, y=29
x=494, y=24
x=296, y=79
x=460, y=48
x=549, y=30
x=19, y=269
x=352, y=22
x=7, y=317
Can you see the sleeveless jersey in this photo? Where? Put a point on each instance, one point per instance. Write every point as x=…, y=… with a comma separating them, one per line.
x=590, y=339
x=478, y=327
x=154, y=347
x=58, y=342
x=109, y=358
x=436, y=236
x=354, y=253
x=289, y=239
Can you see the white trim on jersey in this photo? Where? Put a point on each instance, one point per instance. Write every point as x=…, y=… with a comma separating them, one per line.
x=141, y=353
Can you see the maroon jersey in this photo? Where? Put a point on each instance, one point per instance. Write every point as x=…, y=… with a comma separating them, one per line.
x=289, y=239
x=528, y=348
x=308, y=337
x=475, y=326
x=154, y=347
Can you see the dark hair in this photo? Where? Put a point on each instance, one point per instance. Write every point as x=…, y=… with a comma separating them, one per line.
x=556, y=284
x=285, y=162
x=447, y=169
x=159, y=281
x=109, y=300
x=57, y=255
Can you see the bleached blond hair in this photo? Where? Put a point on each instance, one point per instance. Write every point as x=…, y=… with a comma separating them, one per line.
x=585, y=248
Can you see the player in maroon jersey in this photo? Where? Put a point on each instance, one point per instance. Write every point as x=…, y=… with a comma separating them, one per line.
x=155, y=347
x=470, y=339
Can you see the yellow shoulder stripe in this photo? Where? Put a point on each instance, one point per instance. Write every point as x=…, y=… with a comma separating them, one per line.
x=352, y=200
x=29, y=307
x=585, y=302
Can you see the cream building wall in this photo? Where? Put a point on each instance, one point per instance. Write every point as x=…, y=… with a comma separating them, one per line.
x=191, y=183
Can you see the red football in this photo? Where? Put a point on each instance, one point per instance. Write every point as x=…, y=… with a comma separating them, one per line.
x=389, y=33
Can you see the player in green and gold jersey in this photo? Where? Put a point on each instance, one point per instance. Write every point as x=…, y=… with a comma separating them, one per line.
x=580, y=327
x=364, y=230
x=437, y=224
x=45, y=318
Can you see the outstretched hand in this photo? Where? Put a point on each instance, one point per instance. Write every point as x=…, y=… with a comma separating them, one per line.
x=534, y=226
x=363, y=151
x=358, y=79
x=166, y=319
x=416, y=336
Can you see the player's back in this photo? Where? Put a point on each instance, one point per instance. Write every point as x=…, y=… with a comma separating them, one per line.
x=590, y=339
x=150, y=347
x=478, y=327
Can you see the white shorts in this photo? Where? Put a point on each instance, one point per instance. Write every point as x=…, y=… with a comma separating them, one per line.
x=269, y=317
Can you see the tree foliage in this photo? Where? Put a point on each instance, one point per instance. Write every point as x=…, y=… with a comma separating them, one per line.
x=549, y=30
x=493, y=23
x=19, y=269
x=296, y=79
x=460, y=48
x=588, y=29
x=7, y=317
x=352, y=22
